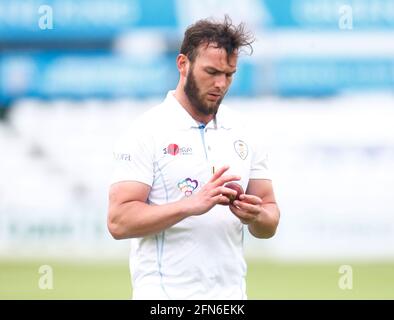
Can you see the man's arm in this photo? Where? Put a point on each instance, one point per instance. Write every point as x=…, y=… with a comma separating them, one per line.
x=258, y=208
x=129, y=215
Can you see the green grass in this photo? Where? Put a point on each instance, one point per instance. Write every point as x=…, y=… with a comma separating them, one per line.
x=266, y=280
x=19, y=280
x=319, y=281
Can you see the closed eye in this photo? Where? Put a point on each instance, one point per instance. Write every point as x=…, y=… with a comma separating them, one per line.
x=213, y=72
x=216, y=72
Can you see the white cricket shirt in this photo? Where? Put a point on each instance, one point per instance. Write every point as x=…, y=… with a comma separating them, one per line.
x=201, y=257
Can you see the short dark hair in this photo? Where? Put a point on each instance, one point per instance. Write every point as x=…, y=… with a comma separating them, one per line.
x=223, y=34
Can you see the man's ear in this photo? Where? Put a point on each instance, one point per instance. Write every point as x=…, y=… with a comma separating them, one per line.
x=182, y=63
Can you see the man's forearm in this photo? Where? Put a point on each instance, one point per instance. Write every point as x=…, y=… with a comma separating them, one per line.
x=266, y=223
x=137, y=219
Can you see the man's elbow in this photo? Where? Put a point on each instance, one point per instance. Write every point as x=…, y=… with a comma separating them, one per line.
x=114, y=227
x=114, y=230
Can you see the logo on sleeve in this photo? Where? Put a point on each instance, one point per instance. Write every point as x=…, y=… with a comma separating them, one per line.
x=241, y=148
x=122, y=156
x=173, y=149
x=187, y=186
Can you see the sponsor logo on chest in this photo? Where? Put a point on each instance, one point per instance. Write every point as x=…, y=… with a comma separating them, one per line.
x=174, y=149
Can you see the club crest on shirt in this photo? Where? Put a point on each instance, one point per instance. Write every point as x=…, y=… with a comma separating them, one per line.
x=187, y=186
x=241, y=148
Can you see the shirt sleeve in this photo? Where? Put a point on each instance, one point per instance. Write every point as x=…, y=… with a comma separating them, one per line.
x=133, y=158
x=259, y=162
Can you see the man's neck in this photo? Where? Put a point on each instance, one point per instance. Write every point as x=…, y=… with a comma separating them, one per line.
x=185, y=103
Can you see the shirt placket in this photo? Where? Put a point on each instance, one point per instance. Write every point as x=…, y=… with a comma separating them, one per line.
x=206, y=140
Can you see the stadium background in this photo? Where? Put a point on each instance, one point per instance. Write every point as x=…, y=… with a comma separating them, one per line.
x=319, y=86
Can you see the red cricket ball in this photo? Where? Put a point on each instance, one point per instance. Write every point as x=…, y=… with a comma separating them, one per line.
x=236, y=187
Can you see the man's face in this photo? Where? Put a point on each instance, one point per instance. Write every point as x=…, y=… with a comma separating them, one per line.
x=209, y=78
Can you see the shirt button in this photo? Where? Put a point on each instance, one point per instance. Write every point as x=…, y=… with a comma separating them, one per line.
x=209, y=148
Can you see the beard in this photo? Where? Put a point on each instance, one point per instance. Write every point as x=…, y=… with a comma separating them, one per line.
x=195, y=97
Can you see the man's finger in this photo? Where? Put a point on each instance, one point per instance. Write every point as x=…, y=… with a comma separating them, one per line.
x=221, y=199
x=224, y=179
x=246, y=207
x=241, y=214
x=252, y=199
x=218, y=173
x=224, y=191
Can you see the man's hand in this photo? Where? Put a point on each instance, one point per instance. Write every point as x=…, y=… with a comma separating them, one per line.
x=247, y=208
x=212, y=193
x=258, y=209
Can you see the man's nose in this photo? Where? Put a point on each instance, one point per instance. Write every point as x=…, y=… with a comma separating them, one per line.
x=221, y=82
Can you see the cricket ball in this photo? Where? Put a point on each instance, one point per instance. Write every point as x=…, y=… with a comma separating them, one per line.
x=236, y=187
